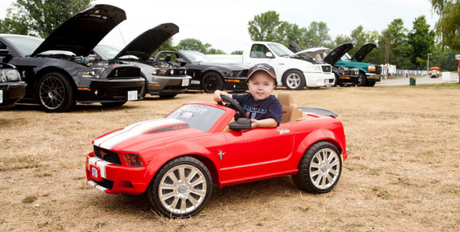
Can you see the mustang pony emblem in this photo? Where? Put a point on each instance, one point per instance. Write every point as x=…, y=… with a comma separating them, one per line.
x=103, y=153
x=220, y=154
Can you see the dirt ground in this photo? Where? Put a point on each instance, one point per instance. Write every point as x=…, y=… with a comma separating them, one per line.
x=401, y=175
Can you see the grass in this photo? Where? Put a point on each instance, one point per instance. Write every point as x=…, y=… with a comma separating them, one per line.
x=403, y=157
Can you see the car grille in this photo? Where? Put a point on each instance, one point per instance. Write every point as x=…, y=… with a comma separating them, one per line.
x=108, y=184
x=107, y=155
x=378, y=69
x=326, y=68
x=125, y=72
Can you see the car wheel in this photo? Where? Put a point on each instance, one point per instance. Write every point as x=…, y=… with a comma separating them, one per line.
x=113, y=104
x=319, y=168
x=143, y=91
x=55, y=93
x=370, y=83
x=294, y=80
x=167, y=96
x=212, y=81
x=181, y=188
x=362, y=80
x=336, y=80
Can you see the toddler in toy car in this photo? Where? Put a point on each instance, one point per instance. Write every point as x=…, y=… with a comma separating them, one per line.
x=260, y=106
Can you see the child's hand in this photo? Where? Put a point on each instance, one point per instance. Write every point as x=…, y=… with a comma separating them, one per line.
x=219, y=93
x=254, y=123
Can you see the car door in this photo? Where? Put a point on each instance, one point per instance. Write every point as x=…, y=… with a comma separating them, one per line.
x=255, y=154
x=258, y=54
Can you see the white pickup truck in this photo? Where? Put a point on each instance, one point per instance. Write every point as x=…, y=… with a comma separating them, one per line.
x=291, y=70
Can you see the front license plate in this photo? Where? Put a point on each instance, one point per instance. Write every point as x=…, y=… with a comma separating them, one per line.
x=185, y=82
x=1, y=96
x=94, y=173
x=132, y=95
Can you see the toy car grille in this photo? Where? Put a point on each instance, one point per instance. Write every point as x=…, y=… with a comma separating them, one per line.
x=125, y=72
x=326, y=68
x=107, y=155
x=108, y=184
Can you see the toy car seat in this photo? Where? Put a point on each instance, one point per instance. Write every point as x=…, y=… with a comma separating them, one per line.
x=291, y=111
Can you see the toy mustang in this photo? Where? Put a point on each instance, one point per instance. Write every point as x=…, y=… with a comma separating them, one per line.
x=175, y=160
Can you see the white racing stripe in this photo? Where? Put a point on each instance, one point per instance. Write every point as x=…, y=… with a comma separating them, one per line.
x=109, y=141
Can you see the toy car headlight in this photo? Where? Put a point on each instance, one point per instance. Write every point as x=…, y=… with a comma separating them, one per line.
x=371, y=68
x=93, y=73
x=132, y=160
x=9, y=75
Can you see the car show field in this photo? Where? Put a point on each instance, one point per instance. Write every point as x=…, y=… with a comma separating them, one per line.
x=401, y=173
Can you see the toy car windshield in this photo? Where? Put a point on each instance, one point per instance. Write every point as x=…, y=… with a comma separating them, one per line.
x=200, y=117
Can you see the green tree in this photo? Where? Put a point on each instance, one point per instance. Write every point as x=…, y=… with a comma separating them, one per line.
x=292, y=33
x=448, y=25
x=421, y=40
x=40, y=17
x=237, y=52
x=393, y=44
x=266, y=27
x=193, y=45
x=339, y=39
x=317, y=35
x=359, y=37
x=215, y=51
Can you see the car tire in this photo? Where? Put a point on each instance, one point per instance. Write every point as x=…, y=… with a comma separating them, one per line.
x=319, y=169
x=55, y=93
x=370, y=83
x=294, y=80
x=113, y=104
x=336, y=80
x=143, y=91
x=181, y=188
x=167, y=96
x=362, y=80
x=211, y=82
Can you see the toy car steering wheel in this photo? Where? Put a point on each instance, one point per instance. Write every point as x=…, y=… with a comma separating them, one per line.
x=233, y=104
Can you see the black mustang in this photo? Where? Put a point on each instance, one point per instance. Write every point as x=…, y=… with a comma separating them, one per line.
x=59, y=71
x=206, y=74
x=12, y=89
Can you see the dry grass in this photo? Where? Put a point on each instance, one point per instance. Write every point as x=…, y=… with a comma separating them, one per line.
x=401, y=175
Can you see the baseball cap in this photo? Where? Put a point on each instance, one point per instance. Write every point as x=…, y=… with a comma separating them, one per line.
x=262, y=67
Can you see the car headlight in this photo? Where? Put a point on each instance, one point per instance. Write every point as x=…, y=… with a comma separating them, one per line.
x=9, y=75
x=371, y=68
x=233, y=73
x=159, y=72
x=132, y=160
x=93, y=73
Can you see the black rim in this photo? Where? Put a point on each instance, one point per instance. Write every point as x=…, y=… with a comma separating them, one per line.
x=212, y=83
x=52, y=92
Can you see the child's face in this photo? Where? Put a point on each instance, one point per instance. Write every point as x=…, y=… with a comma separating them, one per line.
x=261, y=85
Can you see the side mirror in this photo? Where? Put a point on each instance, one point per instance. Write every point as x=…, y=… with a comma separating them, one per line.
x=241, y=124
x=269, y=55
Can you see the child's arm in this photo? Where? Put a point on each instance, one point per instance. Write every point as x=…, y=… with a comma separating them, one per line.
x=219, y=93
x=268, y=122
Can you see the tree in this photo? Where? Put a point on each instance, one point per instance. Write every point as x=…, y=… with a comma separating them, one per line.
x=339, y=39
x=393, y=44
x=421, y=40
x=40, y=17
x=292, y=33
x=448, y=25
x=266, y=27
x=215, y=51
x=237, y=52
x=193, y=45
x=317, y=35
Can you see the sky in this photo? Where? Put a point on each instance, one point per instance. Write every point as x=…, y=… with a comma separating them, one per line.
x=224, y=23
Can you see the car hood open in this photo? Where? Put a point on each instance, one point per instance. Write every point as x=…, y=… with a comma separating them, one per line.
x=334, y=56
x=145, y=44
x=81, y=33
x=363, y=51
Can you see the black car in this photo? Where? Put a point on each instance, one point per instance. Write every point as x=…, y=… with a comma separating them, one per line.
x=166, y=82
x=343, y=76
x=59, y=71
x=12, y=89
x=206, y=74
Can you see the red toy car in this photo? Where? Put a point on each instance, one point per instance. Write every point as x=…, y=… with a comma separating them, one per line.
x=176, y=160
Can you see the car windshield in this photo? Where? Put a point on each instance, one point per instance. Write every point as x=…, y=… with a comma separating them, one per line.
x=200, y=117
x=280, y=50
x=25, y=44
x=346, y=57
x=195, y=56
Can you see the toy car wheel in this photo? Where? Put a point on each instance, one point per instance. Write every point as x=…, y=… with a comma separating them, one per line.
x=319, y=168
x=55, y=93
x=294, y=80
x=181, y=188
x=362, y=80
x=212, y=81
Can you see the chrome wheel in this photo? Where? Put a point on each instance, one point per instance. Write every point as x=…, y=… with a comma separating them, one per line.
x=324, y=168
x=52, y=92
x=182, y=189
x=294, y=80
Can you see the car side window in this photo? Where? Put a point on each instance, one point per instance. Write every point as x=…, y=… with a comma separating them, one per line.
x=2, y=45
x=258, y=51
